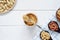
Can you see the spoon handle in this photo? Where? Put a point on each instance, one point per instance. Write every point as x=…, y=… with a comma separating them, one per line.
x=39, y=27
x=58, y=30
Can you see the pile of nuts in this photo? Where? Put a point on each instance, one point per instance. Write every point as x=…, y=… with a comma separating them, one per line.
x=6, y=5
x=45, y=35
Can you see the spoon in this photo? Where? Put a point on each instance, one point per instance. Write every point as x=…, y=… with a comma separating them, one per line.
x=44, y=35
x=53, y=25
x=30, y=19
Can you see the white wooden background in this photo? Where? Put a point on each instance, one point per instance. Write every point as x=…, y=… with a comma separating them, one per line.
x=12, y=26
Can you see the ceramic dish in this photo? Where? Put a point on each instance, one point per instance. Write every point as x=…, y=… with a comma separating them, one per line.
x=30, y=19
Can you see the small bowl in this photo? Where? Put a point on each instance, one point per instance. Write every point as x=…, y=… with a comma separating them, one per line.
x=30, y=19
